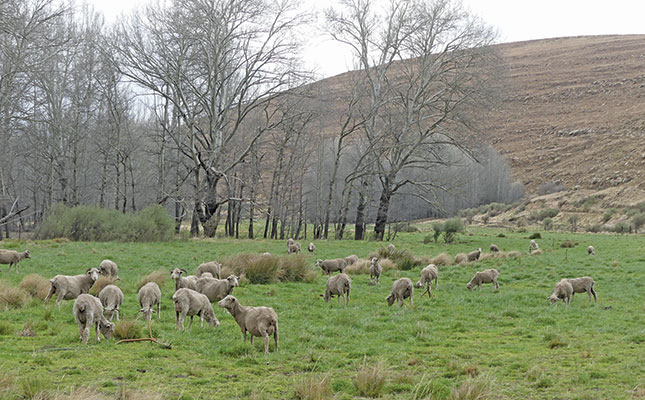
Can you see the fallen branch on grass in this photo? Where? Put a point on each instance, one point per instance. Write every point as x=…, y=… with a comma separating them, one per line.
x=148, y=339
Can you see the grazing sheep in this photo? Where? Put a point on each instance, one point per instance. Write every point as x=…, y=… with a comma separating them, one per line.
x=111, y=298
x=69, y=287
x=217, y=289
x=401, y=289
x=487, y=276
x=584, y=284
x=338, y=285
x=351, y=260
x=213, y=267
x=266, y=254
x=391, y=248
x=108, y=268
x=562, y=290
x=290, y=241
x=494, y=248
x=149, y=296
x=329, y=266
x=311, y=247
x=591, y=251
x=190, y=302
x=375, y=269
x=189, y=281
x=474, y=255
x=258, y=321
x=428, y=274
x=12, y=257
x=88, y=311
x=533, y=246
x=293, y=248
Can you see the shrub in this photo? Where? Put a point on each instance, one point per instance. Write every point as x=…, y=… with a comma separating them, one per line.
x=36, y=285
x=127, y=329
x=370, y=380
x=621, y=227
x=158, y=277
x=638, y=221
x=313, y=388
x=404, y=259
x=450, y=229
x=12, y=297
x=427, y=239
x=260, y=269
x=263, y=270
x=536, y=235
x=567, y=244
x=387, y=264
x=550, y=187
x=100, y=283
x=296, y=269
x=437, y=227
x=547, y=224
x=573, y=222
x=608, y=214
x=595, y=228
x=545, y=213
x=441, y=259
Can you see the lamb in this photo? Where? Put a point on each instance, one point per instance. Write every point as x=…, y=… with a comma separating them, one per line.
x=591, y=251
x=494, y=248
x=258, y=321
x=533, y=245
x=213, y=267
x=108, y=268
x=391, y=248
x=111, y=298
x=149, y=296
x=562, y=290
x=189, y=281
x=329, y=266
x=351, y=260
x=88, y=311
x=375, y=269
x=401, y=289
x=290, y=241
x=217, y=289
x=12, y=257
x=311, y=247
x=293, y=248
x=487, y=276
x=338, y=285
x=190, y=302
x=584, y=284
x=474, y=255
x=69, y=287
x=428, y=274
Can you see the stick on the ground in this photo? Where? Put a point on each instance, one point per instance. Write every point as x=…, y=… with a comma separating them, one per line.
x=148, y=339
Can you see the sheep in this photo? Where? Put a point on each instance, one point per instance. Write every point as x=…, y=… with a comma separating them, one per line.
x=401, y=289
x=533, y=245
x=258, y=321
x=293, y=248
x=12, y=257
x=217, y=289
x=329, y=266
x=338, y=285
x=311, y=247
x=213, y=267
x=391, y=248
x=591, y=251
x=88, y=311
x=494, y=248
x=487, y=276
x=474, y=255
x=190, y=302
x=562, y=290
x=375, y=269
x=584, y=284
x=290, y=241
x=111, y=298
x=108, y=268
x=149, y=296
x=351, y=260
x=189, y=281
x=428, y=274
x=266, y=254
x=69, y=287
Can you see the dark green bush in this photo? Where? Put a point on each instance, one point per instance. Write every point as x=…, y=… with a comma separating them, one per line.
x=544, y=213
x=638, y=221
x=608, y=214
x=450, y=229
x=536, y=235
x=568, y=244
x=621, y=227
x=595, y=228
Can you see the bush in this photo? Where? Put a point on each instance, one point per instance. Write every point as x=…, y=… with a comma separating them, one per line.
x=437, y=227
x=547, y=224
x=427, y=239
x=313, y=388
x=544, y=213
x=127, y=329
x=607, y=215
x=450, y=229
x=638, y=221
x=100, y=283
x=595, y=228
x=260, y=269
x=535, y=235
x=567, y=244
x=461, y=258
x=621, y=227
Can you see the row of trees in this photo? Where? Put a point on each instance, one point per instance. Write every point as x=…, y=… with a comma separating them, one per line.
x=203, y=106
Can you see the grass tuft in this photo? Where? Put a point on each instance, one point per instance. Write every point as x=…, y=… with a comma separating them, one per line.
x=102, y=282
x=478, y=388
x=36, y=285
x=313, y=388
x=461, y=258
x=12, y=297
x=127, y=329
x=370, y=379
x=442, y=260
x=360, y=267
x=260, y=269
x=159, y=277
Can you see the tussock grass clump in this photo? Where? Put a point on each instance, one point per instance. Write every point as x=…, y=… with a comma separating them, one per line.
x=514, y=254
x=478, y=388
x=127, y=329
x=263, y=270
x=536, y=252
x=442, y=259
x=313, y=388
x=100, y=283
x=568, y=244
x=360, y=267
x=387, y=264
x=36, y=285
x=259, y=269
x=404, y=259
x=135, y=394
x=5, y=329
x=461, y=258
x=370, y=379
x=296, y=269
x=12, y=297
x=159, y=277
x=33, y=388
x=81, y=393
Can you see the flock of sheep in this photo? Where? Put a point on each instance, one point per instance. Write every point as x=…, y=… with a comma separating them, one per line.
x=194, y=293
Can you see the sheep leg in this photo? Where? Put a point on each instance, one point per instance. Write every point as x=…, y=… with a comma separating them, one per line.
x=275, y=336
x=117, y=313
x=266, y=342
x=159, y=311
x=251, y=340
x=244, y=334
x=436, y=281
x=59, y=298
x=572, y=294
x=191, y=322
x=411, y=293
x=201, y=319
x=52, y=290
x=595, y=299
x=496, y=284
x=96, y=327
x=86, y=333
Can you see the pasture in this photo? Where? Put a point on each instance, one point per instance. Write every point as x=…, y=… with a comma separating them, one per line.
x=509, y=344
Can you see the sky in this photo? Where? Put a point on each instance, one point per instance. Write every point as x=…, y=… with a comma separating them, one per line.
x=515, y=20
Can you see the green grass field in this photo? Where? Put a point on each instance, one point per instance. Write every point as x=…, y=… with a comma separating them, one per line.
x=459, y=344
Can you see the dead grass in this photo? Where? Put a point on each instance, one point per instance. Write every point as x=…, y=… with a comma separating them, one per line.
x=360, y=267
x=387, y=264
x=102, y=282
x=514, y=254
x=159, y=277
x=36, y=285
x=461, y=258
x=370, y=379
x=81, y=393
x=266, y=269
x=473, y=388
x=127, y=329
x=536, y=252
x=441, y=260
x=12, y=297
x=313, y=388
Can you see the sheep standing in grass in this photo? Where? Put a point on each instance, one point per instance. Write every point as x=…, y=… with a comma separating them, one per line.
x=189, y=281
x=111, y=298
x=351, y=260
x=108, y=268
x=12, y=257
x=150, y=296
x=562, y=290
x=533, y=245
x=213, y=267
x=311, y=247
x=375, y=269
x=428, y=274
x=293, y=248
x=217, y=289
x=190, y=303
x=584, y=284
x=338, y=285
x=70, y=287
x=258, y=321
x=591, y=251
x=487, y=276
x=474, y=255
x=88, y=311
x=401, y=290
x=494, y=248
x=329, y=266
x=391, y=248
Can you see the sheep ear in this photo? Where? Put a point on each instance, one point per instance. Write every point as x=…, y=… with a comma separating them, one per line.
x=183, y=270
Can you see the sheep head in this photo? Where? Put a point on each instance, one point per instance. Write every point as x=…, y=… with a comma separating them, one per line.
x=147, y=312
x=553, y=299
x=93, y=273
x=209, y=316
x=470, y=285
x=176, y=273
x=233, y=281
x=107, y=329
x=390, y=299
x=27, y=254
x=228, y=302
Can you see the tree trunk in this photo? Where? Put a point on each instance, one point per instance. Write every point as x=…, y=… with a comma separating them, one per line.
x=383, y=208
x=194, y=223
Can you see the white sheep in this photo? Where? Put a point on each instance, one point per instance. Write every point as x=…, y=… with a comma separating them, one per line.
x=533, y=245
x=189, y=281
x=213, y=267
x=290, y=241
x=111, y=298
x=293, y=248
x=428, y=274
x=258, y=321
x=329, y=266
x=311, y=247
x=391, y=248
x=584, y=284
x=493, y=248
x=591, y=251
x=266, y=254
x=108, y=268
x=351, y=260
x=88, y=312
x=12, y=257
x=190, y=302
x=474, y=255
x=338, y=285
x=375, y=269
x=217, y=289
x=401, y=290
x=561, y=291
x=68, y=287
x=486, y=276
x=150, y=295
